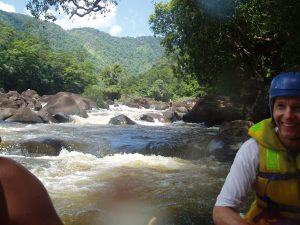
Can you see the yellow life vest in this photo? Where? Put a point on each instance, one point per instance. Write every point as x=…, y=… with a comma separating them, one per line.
x=277, y=185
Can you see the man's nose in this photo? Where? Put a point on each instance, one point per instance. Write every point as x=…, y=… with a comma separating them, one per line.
x=288, y=112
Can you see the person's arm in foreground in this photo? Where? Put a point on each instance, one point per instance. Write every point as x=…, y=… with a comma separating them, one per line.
x=23, y=198
x=237, y=186
x=227, y=216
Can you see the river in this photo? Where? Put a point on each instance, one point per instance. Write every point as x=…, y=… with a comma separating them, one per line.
x=124, y=175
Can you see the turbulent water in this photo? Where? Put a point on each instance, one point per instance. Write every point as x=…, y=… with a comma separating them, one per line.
x=129, y=174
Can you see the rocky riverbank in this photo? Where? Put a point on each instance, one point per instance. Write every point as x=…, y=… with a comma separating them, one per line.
x=29, y=107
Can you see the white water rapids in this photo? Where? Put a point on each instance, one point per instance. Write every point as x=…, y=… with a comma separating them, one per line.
x=109, y=177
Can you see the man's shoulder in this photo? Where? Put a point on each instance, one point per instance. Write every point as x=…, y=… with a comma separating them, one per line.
x=248, y=150
x=250, y=142
x=250, y=145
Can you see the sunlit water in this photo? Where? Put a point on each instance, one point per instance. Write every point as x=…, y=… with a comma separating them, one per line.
x=130, y=174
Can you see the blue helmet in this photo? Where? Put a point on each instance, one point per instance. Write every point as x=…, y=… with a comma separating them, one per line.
x=284, y=84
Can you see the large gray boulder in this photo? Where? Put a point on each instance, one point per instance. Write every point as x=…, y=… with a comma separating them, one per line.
x=6, y=102
x=121, y=120
x=42, y=146
x=31, y=98
x=151, y=117
x=212, y=110
x=171, y=116
x=27, y=107
x=142, y=102
x=69, y=104
x=25, y=115
x=5, y=113
x=229, y=139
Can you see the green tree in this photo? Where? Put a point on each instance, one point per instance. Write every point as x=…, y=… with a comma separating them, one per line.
x=161, y=83
x=95, y=93
x=158, y=92
x=111, y=79
x=234, y=50
x=7, y=36
x=23, y=60
x=113, y=75
x=28, y=62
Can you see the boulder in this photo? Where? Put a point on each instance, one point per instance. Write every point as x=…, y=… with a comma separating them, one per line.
x=147, y=118
x=25, y=115
x=142, y=102
x=42, y=146
x=13, y=95
x=5, y=113
x=121, y=120
x=229, y=139
x=45, y=98
x=13, y=99
x=31, y=98
x=184, y=106
x=68, y=103
x=213, y=110
x=7, y=103
x=15, y=107
x=171, y=116
x=46, y=117
x=158, y=105
x=181, y=109
x=62, y=118
x=136, y=102
x=32, y=94
x=151, y=117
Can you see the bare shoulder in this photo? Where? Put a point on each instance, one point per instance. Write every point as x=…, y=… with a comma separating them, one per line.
x=12, y=172
x=4, y=162
x=26, y=199
x=15, y=177
x=7, y=162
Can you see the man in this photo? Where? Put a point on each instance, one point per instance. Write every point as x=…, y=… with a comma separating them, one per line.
x=23, y=198
x=268, y=163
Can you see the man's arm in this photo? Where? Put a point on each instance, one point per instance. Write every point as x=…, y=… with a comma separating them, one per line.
x=24, y=199
x=227, y=216
x=237, y=185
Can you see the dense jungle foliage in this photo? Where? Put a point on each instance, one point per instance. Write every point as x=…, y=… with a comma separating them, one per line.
x=231, y=47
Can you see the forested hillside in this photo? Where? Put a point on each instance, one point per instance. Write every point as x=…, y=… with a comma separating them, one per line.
x=135, y=55
x=44, y=57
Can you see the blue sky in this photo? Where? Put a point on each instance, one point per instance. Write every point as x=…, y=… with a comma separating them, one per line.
x=128, y=18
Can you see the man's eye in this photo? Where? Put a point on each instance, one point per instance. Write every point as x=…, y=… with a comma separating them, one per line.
x=279, y=107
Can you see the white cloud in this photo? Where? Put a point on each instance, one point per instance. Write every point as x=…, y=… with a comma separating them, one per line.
x=115, y=30
x=7, y=7
x=99, y=22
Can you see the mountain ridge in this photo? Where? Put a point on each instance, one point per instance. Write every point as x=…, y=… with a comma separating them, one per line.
x=135, y=54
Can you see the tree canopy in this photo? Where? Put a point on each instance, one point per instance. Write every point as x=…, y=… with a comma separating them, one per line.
x=233, y=48
x=27, y=61
x=43, y=8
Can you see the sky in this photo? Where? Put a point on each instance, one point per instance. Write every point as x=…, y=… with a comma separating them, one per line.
x=128, y=19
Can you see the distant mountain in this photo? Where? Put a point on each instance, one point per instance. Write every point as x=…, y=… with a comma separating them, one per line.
x=136, y=55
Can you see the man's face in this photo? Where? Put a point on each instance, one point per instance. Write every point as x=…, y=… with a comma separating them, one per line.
x=286, y=114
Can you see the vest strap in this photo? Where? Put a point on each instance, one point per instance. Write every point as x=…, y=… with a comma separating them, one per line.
x=279, y=176
x=275, y=206
x=279, y=219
